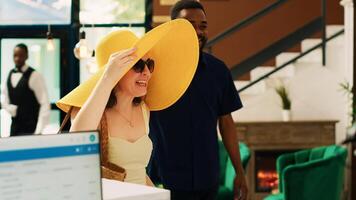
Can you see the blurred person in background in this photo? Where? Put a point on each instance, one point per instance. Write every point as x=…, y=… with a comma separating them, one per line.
x=25, y=96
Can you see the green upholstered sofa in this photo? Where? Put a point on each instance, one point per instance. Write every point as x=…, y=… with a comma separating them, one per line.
x=311, y=174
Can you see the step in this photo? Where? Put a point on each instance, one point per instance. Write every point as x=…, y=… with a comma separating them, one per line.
x=332, y=47
x=287, y=71
x=260, y=71
x=314, y=56
x=285, y=57
x=270, y=81
x=253, y=90
x=332, y=29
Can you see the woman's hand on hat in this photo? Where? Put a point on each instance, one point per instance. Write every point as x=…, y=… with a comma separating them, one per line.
x=117, y=62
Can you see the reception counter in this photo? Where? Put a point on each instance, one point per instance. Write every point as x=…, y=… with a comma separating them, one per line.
x=116, y=190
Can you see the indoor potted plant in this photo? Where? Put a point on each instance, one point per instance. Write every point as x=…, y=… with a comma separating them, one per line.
x=286, y=102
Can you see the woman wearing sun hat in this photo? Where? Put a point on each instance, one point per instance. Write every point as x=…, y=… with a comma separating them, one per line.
x=136, y=75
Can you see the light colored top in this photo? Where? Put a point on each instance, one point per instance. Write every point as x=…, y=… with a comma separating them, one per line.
x=132, y=156
x=38, y=86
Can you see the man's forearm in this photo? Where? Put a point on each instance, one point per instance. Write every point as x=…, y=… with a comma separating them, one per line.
x=229, y=136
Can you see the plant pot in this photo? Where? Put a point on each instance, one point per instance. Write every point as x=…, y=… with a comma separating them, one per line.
x=286, y=115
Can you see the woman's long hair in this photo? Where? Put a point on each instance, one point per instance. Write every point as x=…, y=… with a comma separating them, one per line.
x=113, y=100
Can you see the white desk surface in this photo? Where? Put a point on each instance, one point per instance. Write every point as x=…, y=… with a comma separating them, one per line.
x=116, y=190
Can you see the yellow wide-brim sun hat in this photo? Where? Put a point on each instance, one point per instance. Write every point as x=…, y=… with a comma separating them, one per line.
x=173, y=46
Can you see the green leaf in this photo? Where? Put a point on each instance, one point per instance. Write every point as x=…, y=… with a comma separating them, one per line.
x=283, y=94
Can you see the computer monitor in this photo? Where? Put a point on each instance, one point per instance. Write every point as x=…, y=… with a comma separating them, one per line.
x=64, y=166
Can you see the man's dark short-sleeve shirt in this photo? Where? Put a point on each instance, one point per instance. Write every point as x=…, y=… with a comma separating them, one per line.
x=185, y=134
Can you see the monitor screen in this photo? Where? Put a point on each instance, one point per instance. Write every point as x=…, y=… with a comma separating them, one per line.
x=64, y=166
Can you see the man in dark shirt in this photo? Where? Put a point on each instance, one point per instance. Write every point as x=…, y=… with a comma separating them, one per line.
x=185, y=135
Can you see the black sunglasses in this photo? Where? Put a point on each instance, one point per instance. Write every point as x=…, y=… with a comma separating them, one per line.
x=140, y=65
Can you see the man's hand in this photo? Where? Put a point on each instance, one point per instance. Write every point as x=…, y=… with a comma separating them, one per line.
x=240, y=188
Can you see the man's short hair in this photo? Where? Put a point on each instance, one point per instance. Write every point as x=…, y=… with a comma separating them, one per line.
x=22, y=46
x=185, y=4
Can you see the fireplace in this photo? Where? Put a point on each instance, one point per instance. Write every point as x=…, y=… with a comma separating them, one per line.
x=268, y=140
x=266, y=177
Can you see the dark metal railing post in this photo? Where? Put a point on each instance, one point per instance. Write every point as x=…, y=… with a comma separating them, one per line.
x=323, y=12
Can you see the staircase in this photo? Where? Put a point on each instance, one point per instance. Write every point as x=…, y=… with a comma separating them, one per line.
x=314, y=88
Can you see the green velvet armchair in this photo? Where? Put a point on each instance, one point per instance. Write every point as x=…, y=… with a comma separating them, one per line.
x=312, y=174
x=227, y=172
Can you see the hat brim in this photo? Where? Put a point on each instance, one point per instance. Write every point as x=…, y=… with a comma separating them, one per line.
x=174, y=48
